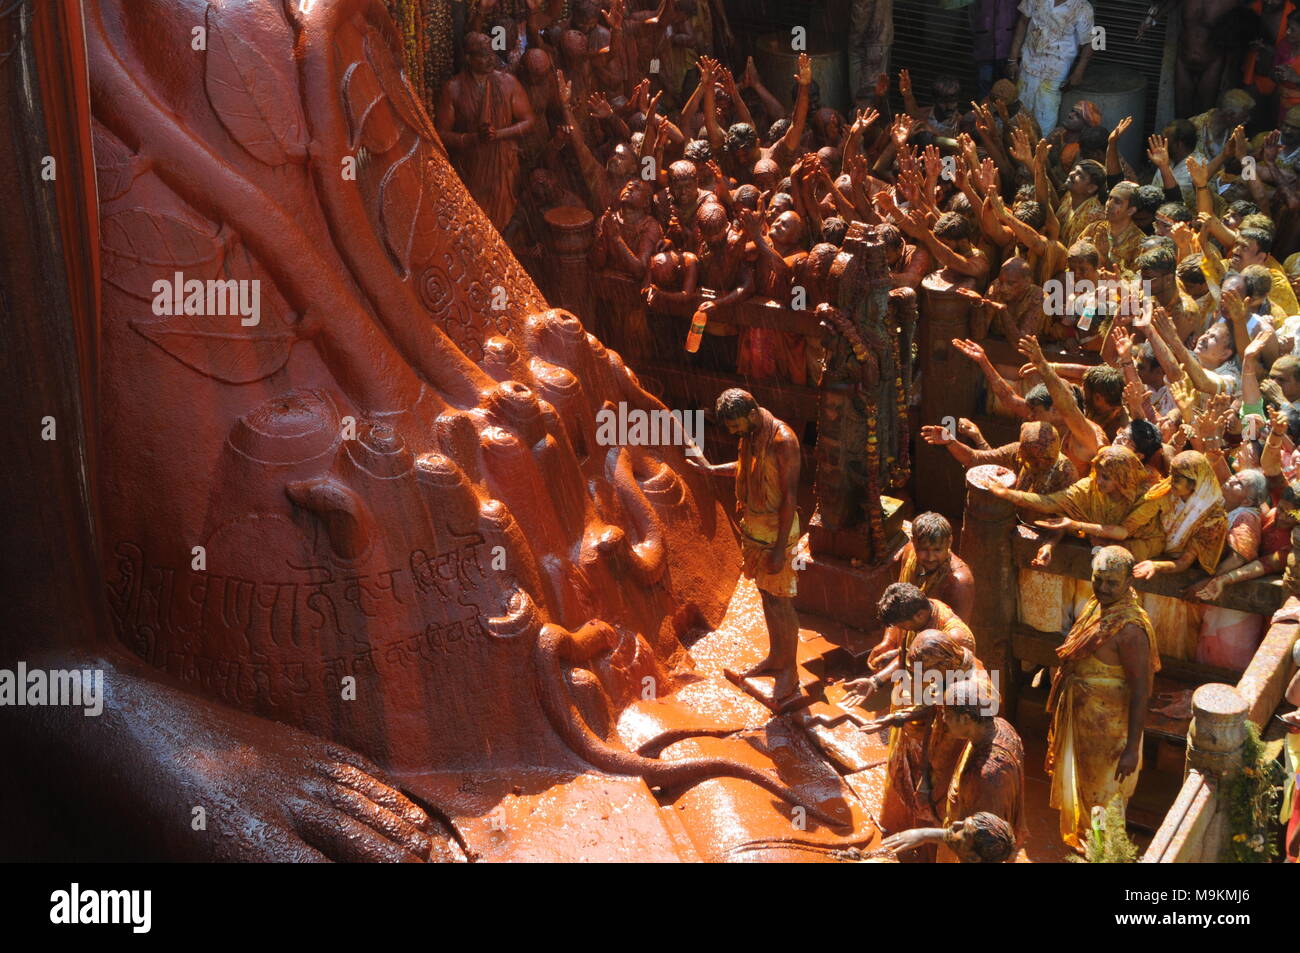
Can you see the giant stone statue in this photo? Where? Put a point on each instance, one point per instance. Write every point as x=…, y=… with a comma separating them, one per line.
x=384, y=594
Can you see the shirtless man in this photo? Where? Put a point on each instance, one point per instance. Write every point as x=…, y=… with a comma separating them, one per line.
x=928, y=562
x=1016, y=302
x=1202, y=52
x=683, y=199
x=739, y=147
x=961, y=264
x=767, y=353
x=603, y=183
x=767, y=481
x=1051, y=402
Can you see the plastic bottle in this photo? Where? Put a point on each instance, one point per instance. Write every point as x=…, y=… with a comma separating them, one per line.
x=696, y=334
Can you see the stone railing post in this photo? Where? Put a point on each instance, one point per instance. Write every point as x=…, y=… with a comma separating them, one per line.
x=1218, y=730
x=950, y=387
x=985, y=544
x=571, y=231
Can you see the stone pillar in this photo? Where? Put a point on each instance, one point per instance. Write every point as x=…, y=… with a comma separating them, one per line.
x=572, y=230
x=950, y=387
x=985, y=544
x=1218, y=730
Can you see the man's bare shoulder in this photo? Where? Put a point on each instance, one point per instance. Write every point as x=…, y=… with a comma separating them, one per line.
x=508, y=81
x=1131, y=638
x=785, y=437
x=961, y=573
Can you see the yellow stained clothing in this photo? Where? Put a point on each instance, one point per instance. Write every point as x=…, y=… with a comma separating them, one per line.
x=1118, y=251
x=1089, y=705
x=760, y=489
x=1075, y=220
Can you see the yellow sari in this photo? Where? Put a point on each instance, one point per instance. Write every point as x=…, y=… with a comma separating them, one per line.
x=1198, y=525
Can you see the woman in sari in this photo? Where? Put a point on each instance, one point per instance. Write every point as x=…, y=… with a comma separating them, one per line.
x=1110, y=505
x=1195, y=526
x=1229, y=637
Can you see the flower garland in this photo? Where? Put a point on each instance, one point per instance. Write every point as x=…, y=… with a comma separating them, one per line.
x=875, y=513
x=901, y=469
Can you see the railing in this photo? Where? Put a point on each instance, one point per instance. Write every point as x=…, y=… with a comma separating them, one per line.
x=1194, y=829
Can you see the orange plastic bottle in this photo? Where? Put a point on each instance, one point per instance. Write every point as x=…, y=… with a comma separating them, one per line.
x=696, y=334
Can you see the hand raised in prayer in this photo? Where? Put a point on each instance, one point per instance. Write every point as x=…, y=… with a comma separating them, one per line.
x=1021, y=150
x=804, y=74
x=1121, y=127
x=1158, y=151
x=1030, y=348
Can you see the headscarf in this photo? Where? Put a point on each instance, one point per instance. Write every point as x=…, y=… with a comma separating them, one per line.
x=1004, y=90
x=1122, y=467
x=1089, y=112
x=1199, y=521
x=1039, y=435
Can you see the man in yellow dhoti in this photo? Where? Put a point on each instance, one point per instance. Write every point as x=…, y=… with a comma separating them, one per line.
x=767, y=480
x=1099, y=698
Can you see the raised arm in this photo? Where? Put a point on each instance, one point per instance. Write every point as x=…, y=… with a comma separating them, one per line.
x=1003, y=392
x=1112, y=145
x=803, y=77
x=1062, y=399
x=592, y=171
x=1164, y=326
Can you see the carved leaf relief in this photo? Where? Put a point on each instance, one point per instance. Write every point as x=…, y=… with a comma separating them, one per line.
x=259, y=113
x=115, y=164
x=406, y=210
x=225, y=352
x=140, y=246
x=370, y=118
x=220, y=346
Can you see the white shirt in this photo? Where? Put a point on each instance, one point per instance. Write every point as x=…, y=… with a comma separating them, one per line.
x=1054, y=34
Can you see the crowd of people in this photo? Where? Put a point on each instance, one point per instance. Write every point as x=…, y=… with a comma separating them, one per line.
x=1165, y=424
